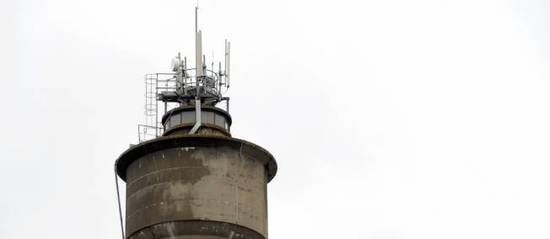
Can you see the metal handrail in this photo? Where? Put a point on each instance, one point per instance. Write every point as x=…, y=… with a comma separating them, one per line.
x=212, y=83
x=144, y=136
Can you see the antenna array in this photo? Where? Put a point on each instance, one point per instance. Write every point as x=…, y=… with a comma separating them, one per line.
x=185, y=86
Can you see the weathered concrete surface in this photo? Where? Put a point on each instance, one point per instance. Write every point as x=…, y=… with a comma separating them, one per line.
x=196, y=230
x=197, y=190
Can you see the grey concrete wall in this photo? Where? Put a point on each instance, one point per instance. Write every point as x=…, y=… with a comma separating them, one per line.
x=205, y=191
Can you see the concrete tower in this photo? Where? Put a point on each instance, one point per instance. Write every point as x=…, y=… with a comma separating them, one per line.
x=188, y=178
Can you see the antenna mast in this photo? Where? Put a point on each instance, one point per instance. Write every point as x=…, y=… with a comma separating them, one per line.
x=196, y=87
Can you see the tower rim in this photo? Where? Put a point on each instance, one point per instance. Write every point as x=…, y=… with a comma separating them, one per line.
x=247, y=148
x=192, y=108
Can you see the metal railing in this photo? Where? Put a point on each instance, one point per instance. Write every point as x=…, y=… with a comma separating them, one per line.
x=148, y=132
x=183, y=84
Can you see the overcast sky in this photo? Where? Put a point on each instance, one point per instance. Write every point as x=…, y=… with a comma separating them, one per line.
x=389, y=119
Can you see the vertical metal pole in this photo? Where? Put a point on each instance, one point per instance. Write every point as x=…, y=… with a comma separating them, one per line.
x=204, y=72
x=198, y=115
x=156, y=106
x=227, y=105
x=184, y=75
x=198, y=71
x=220, y=78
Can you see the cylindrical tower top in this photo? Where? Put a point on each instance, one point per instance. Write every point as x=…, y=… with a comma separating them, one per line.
x=180, y=120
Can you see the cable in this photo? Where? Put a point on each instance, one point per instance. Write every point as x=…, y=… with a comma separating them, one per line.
x=119, y=207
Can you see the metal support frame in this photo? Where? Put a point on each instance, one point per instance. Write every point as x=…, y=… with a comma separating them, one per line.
x=198, y=119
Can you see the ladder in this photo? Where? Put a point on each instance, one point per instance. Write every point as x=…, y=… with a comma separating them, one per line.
x=151, y=129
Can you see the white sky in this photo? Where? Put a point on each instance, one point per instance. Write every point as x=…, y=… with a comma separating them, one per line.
x=389, y=119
